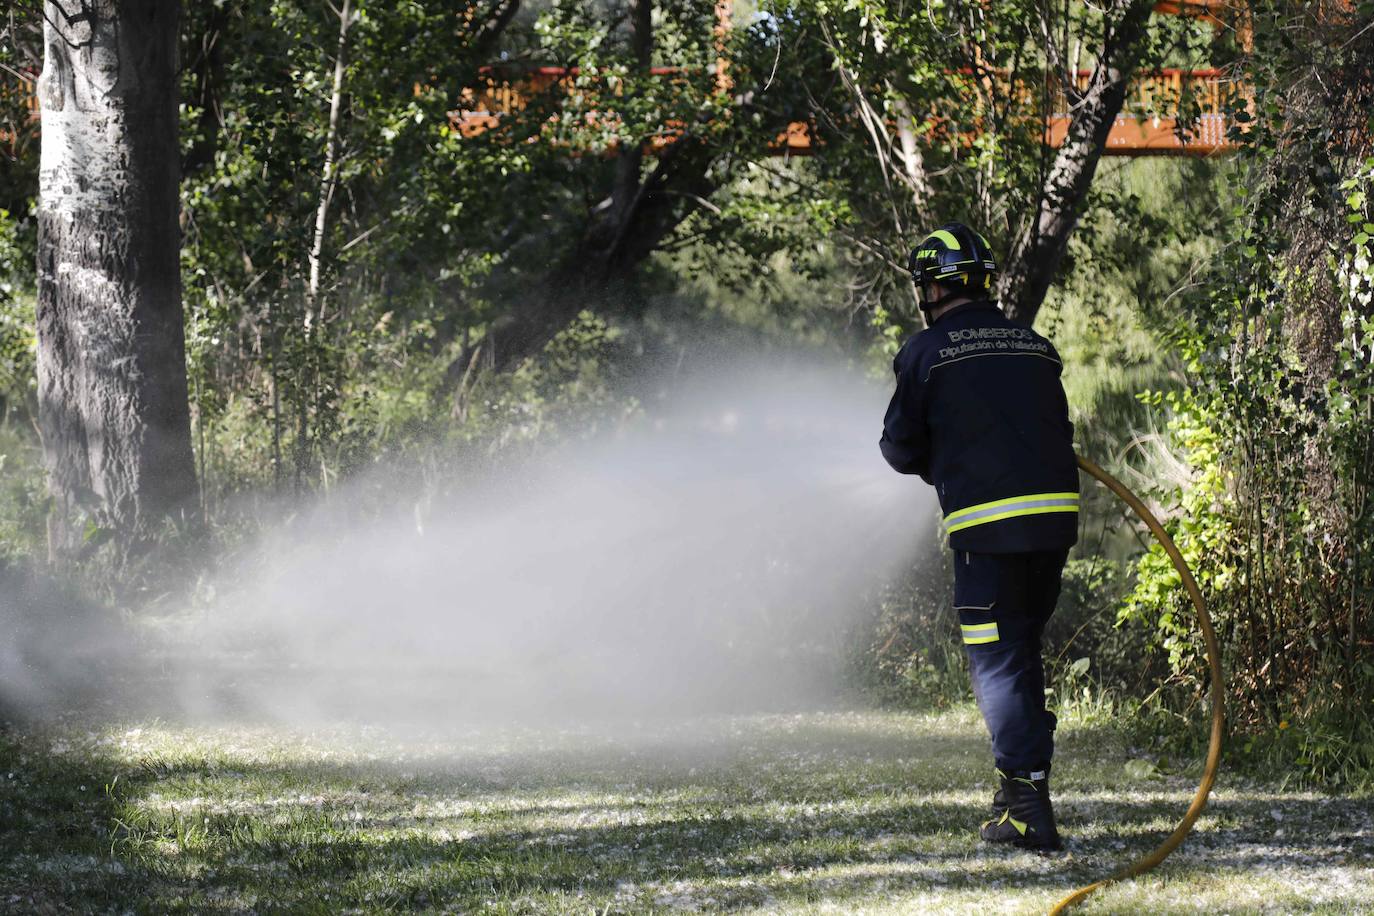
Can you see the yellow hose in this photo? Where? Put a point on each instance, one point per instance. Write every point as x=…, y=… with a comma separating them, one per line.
x=1209, y=772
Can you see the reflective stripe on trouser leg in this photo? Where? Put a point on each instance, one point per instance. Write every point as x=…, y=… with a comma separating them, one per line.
x=979, y=633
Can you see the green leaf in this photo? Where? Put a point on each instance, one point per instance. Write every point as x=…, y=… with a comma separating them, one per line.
x=94, y=535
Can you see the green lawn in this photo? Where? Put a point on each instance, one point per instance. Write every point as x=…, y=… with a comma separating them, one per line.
x=837, y=812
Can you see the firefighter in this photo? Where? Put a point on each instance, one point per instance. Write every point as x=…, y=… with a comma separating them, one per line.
x=980, y=414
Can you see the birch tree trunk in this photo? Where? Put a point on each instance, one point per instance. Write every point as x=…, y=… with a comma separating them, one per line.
x=329, y=176
x=111, y=349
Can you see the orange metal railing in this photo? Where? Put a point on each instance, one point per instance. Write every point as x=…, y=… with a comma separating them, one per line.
x=14, y=85
x=1150, y=122
x=1210, y=10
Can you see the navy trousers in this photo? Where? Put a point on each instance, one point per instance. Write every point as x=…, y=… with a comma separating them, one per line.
x=1004, y=601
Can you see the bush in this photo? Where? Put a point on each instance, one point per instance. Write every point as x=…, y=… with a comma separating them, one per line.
x=1278, y=426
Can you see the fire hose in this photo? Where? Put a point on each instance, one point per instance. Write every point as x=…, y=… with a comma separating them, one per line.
x=1209, y=771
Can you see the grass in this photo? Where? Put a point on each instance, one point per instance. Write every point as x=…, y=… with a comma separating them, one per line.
x=828, y=812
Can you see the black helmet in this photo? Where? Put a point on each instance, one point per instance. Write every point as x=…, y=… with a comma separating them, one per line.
x=957, y=258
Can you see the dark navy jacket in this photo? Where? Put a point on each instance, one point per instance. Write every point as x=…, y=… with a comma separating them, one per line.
x=980, y=413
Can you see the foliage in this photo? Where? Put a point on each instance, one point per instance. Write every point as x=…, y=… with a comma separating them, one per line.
x=22, y=499
x=568, y=393
x=16, y=324
x=23, y=495
x=933, y=112
x=908, y=653
x=436, y=241
x=1277, y=420
x=265, y=348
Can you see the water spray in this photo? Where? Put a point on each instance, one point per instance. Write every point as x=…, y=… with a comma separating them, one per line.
x=1209, y=771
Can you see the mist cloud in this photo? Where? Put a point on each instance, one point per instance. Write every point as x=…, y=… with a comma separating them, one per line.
x=711, y=557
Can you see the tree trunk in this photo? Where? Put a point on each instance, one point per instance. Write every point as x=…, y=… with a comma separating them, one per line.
x=600, y=271
x=603, y=259
x=486, y=24
x=330, y=175
x=1037, y=254
x=111, y=350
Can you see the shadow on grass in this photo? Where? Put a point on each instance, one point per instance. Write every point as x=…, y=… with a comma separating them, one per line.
x=833, y=821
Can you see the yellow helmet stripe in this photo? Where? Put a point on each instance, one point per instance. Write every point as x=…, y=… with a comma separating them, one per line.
x=947, y=237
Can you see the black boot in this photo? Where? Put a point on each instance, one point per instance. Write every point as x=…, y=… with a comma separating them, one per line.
x=999, y=798
x=1027, y=820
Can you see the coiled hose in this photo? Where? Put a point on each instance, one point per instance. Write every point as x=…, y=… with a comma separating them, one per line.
x=1209, y=772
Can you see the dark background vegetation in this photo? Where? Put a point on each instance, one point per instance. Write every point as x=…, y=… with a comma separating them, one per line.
x=482, y=297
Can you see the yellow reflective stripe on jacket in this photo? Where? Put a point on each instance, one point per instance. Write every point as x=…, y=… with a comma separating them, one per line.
x=995, y=511
x=977, y=633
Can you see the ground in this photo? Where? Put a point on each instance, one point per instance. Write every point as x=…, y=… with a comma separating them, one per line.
x=824, y=812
